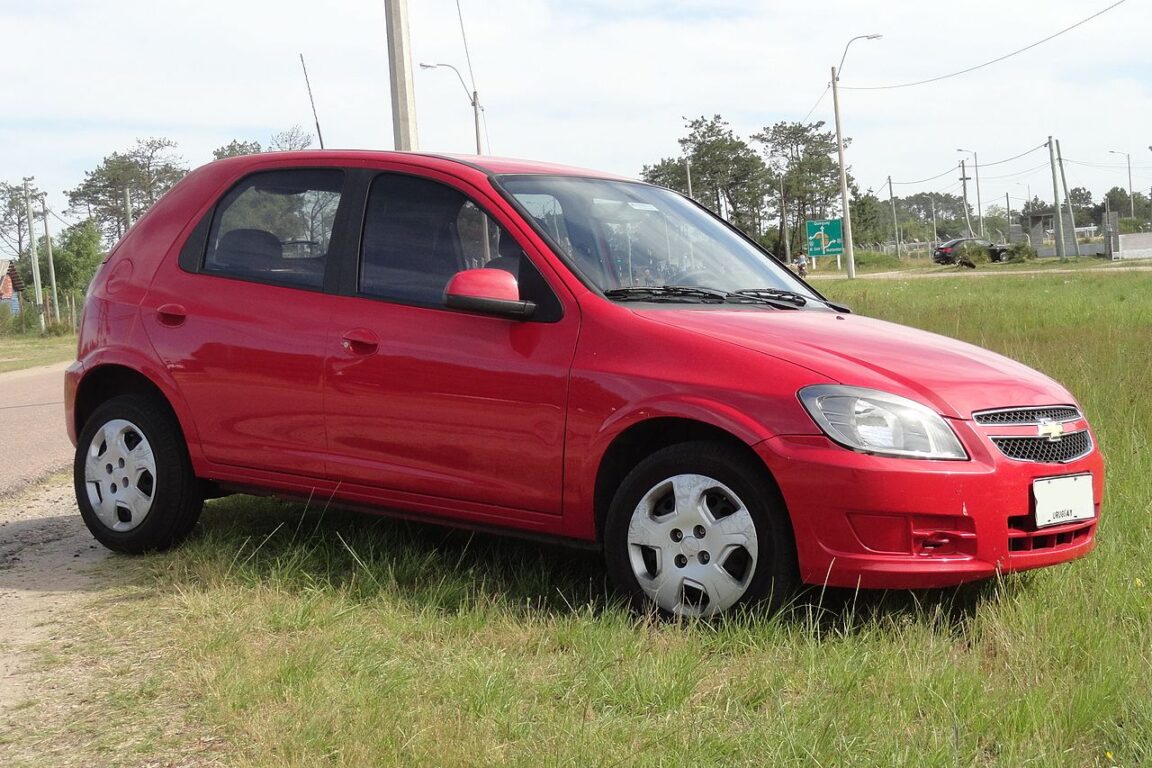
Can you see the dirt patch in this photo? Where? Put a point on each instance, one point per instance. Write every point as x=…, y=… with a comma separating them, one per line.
x=46, y=559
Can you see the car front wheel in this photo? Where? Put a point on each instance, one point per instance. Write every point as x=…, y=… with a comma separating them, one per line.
x=698, y=530
x=134, y=482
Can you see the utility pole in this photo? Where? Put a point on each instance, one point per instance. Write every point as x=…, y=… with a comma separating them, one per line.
x=400, y=76
x=1058, y=221
x=1067, y=200
x=964, y=181
x=51, y=262
x=1008, y=215
x=848, y=251
x=935, y=237
x=37, y=290
x=784, y=224
x=1131, y=196
x=688, y=167
x=895, y=224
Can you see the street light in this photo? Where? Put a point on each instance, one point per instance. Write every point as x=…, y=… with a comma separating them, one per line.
x=840, y=152
x=979, y=204
x=473, y=98
x=1131, y=197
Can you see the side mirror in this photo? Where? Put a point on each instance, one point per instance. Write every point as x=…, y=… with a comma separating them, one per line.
x=488, y=292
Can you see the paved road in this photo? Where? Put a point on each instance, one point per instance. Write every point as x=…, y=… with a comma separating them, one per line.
x=33, y=442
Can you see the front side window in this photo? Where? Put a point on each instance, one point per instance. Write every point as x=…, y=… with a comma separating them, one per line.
x=419, y=233
x=276, y=227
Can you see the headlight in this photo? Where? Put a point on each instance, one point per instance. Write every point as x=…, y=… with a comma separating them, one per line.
x=872, y=421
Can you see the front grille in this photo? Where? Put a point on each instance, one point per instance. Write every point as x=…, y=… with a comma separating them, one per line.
x=1056, y=413
x=1063, y=449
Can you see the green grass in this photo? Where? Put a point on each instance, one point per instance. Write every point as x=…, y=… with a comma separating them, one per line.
x=22, y=351
x=288, y=635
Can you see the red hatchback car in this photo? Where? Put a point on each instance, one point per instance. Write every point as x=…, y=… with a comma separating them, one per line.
x=511, y=345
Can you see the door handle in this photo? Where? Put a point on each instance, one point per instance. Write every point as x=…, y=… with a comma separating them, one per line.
x=360, y=341
x=172, y=315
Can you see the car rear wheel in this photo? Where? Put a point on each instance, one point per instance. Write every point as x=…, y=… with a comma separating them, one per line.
x=134, y=482
x=698, y=530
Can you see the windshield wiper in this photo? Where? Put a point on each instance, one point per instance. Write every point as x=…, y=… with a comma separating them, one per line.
x=774, y=296
x=670, y=293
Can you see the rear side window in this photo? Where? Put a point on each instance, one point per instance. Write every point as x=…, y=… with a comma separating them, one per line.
x=276, y=227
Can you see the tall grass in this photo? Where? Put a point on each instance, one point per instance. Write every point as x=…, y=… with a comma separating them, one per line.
x=301, y=636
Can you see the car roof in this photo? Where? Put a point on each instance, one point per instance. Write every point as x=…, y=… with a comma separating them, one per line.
x=485, y=164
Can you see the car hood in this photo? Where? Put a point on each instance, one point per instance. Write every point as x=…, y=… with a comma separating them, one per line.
x=952, y=376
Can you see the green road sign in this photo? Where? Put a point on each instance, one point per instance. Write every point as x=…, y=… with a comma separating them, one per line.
x=825, y=238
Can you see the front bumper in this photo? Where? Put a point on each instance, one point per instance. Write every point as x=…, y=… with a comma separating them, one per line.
x=884, y=523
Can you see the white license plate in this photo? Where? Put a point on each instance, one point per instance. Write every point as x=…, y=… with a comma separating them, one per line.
x=1063, y=499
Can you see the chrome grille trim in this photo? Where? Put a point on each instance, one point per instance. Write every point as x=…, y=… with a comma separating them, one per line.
x=1028, y=416
x=1041, y=450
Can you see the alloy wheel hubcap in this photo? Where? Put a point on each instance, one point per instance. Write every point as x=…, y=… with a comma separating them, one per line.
x=692, y=545
x=120, y=475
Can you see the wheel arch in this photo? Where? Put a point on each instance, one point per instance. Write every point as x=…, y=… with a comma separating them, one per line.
x=644, y=438
x=110, y=380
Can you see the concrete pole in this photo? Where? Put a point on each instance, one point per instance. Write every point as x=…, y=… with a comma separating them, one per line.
x=935, y=237
x=1067, y=200
x=895, y=224
x=1059, y=218
x=979, y=203
x=964, y=182
x=51, y=263
x=688, y=166
x=784, y=224
x=37, y=290
x=843, y=178
x=400, y=76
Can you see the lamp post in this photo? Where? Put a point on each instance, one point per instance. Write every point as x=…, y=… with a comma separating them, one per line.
x=979, y=204
x=473, y=98
x=1131, y=197
x=840, y=152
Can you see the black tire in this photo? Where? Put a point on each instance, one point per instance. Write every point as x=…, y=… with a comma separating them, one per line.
x=134, y=482
x=660, y=554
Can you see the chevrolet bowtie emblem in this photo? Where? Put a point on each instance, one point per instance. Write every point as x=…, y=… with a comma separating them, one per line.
x=1050, y=430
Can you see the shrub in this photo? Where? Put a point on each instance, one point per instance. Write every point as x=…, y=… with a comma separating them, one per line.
x=1019, y=252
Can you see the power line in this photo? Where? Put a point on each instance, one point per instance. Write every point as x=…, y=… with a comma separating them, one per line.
x=1019, y=173
x=930, y=178
x=467, y=55
x=817, y=104
x=982, y=165
x=987, y=63
x=1014, y=157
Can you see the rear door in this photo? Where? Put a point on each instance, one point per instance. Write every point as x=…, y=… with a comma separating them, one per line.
x=241, y=324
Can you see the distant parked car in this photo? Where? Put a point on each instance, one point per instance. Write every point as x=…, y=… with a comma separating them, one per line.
x=949, y=252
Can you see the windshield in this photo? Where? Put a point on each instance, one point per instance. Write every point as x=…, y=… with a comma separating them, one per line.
x=620, y=235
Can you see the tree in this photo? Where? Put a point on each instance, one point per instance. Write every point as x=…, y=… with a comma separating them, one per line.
x=76, y=253
x=727, y=174
x=294, y=138
x=1083, y=209
x=811, y=177
x=134, y=180
x=871, y=220
x=14, y=217
x=236, y=148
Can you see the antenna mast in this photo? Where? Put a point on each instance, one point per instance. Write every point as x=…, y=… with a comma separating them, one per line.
x=312, y=101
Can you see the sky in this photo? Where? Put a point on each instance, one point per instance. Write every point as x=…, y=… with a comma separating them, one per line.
x=591, y=83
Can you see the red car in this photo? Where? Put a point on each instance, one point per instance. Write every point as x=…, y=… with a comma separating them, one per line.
x=509, y=345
